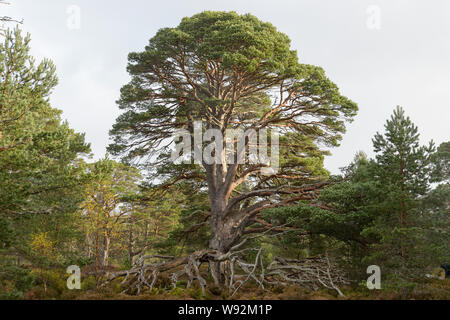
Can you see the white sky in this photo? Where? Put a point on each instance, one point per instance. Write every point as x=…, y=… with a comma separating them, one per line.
x=406, y=61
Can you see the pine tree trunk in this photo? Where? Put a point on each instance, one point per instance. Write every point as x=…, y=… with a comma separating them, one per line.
x=106, y=251
x=222, y=237
x=130, y=246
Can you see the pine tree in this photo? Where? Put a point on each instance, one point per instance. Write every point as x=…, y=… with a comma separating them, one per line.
x=41, y=170
x=230, y=71
x=404, y=167
x=39, y=154
x=104, y=208
x=382, y=210
x=403, y=174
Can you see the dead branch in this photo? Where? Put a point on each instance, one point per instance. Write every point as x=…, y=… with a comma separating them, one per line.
x=309, y=272
x=6, y=19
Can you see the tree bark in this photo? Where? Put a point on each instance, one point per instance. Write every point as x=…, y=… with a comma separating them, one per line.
x=107, y=249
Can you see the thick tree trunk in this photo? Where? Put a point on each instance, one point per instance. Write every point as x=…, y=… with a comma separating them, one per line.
x=222, y=236
x=221, y=227
x=225, y=225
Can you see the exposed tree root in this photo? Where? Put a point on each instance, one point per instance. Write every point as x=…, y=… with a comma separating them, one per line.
x=309, y=272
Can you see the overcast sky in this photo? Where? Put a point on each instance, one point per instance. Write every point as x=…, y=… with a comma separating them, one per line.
x=380, y=54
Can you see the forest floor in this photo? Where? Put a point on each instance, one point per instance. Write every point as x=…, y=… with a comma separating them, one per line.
x=56, y=289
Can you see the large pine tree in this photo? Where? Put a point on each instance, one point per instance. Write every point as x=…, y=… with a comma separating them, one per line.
x=230, y=71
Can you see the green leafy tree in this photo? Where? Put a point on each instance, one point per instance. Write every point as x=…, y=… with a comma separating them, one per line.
x=41, y=170
x=149, y=224
x=192, y=229
x=441, y=160
x=39, y=154
x=230, y=71
x=337, y=220
x=104, y=208
x=404, y=166
x=383, y=210
x=436, y=204
x=403, y=172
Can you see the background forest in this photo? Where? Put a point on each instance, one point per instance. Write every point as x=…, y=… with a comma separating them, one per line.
x=59, y=208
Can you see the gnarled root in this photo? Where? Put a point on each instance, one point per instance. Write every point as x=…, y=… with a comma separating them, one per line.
x=309, y=272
